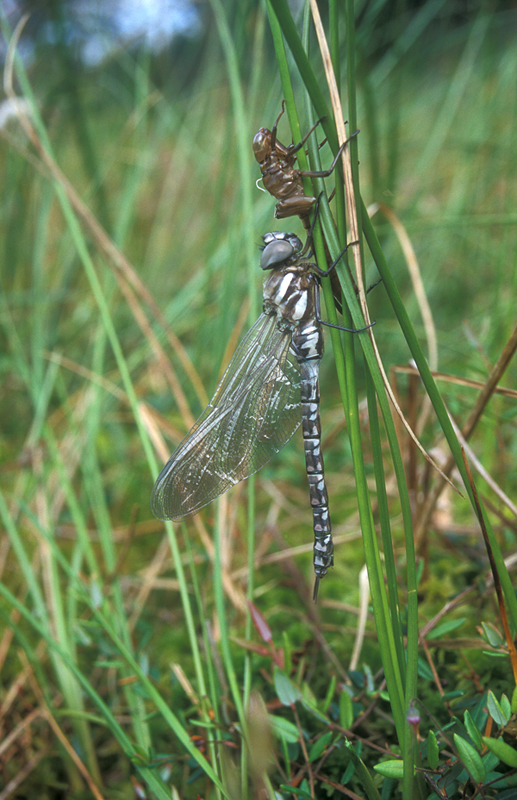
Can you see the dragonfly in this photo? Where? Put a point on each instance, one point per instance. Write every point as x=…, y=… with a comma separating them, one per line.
x=269, y=389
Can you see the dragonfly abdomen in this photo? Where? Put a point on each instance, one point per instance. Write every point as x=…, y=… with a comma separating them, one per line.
x=311, y=430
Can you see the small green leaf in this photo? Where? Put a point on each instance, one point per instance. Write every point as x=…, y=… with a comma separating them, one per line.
x=491, y=763
x=514, y=701
x=506, y=707
x=308, y=694
x=346, y=710
x=445, y=627
x=287, y=648
x=390, y=769
x=348, y=773
x=286, y=691
x=433, y=751
x=356, y=678
x=424, y=670
x=491, y=635
x=495, y=710
x=493, y=654
x=453, y=695
x=320, y=746
x=472, y=729
x=285, y=729
x=330, y=693
x=313, y=709
x=503, y=751
x=370, y=683
x=470, y=758
x=294, y=790
x=109, y=664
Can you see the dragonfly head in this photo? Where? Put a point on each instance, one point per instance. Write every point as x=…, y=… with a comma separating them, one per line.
x=262, y=144
x=278, y=248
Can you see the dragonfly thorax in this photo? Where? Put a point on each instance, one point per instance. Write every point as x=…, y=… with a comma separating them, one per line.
x=291, y=294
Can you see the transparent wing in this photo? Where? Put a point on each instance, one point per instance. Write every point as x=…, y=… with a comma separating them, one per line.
x=255, y=410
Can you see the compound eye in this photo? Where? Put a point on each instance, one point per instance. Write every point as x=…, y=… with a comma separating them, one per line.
x=294, y=241
x=275, y=253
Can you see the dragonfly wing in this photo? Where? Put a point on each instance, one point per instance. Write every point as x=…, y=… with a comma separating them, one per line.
x=255, y=410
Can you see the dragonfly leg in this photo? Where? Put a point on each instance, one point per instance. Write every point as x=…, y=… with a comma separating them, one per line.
x=310, y=173
x=295, y=147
